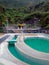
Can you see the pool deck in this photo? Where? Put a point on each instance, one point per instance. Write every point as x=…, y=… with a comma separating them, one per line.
x=8, y=59
x=40, y=56
x=6, y=56
x=6, y=62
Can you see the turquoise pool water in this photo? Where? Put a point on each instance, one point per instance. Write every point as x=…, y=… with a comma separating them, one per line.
x=13, y=40
x=37, y=43
x=21, y=56
x=15, y=52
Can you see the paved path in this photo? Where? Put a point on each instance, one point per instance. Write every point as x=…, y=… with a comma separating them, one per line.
x=38, y=56
x=4, y=38
x=6, y=62
x=8, y=56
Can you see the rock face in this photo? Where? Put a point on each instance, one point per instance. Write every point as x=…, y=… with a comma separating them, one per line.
x=19, y=3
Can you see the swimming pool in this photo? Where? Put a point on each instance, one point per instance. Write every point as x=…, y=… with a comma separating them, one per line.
x=38, y=43
x=13, y=40
x=21, y=56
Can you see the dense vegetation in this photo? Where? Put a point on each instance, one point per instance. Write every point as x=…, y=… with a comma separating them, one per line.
x=24, y=14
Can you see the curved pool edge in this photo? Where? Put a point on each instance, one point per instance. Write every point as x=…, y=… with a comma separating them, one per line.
x=10, y=57
x=39, y=55
x=23, y=57
x=13, y=56
x=16, y=60
x=40, y=44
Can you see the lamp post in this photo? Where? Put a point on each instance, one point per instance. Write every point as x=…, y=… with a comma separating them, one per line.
x=7, y=25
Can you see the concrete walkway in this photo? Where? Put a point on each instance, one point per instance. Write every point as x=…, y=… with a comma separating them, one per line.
x=8, y=56
x=4, y=38
x=38, y=56
x=8, y=59
x=6, y=62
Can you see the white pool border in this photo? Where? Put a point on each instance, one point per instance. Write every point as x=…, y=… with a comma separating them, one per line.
x=6, y=53
x=22, y=47
x=33, y=53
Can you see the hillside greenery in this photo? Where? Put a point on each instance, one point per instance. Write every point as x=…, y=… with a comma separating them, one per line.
x=19, y=15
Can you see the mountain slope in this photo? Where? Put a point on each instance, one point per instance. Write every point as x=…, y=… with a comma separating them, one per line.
x=19, y=3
